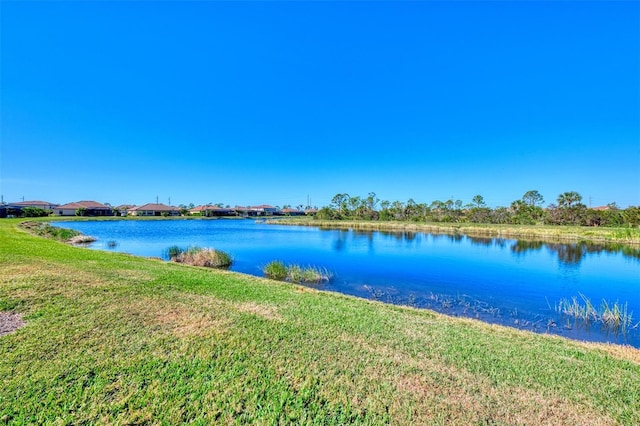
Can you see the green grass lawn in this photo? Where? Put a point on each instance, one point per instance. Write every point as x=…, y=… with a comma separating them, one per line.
x=117, y=339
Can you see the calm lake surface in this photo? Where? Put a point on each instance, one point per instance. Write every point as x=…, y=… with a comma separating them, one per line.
x=510, y=282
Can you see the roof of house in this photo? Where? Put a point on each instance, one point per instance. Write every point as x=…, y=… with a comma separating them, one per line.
x=208, y=207
x=33, y=204
x=156, y=207
x=600, y=208
x=83, y=205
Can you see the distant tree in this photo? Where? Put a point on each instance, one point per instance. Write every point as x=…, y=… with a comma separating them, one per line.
x=570, y=210
x=478, y=201
x=533, y=198
x=501, y=215
x=340, y=202
x=327, y=213
x=631, y=215
x=372, y=201
x=81, y=211
x=569, y=199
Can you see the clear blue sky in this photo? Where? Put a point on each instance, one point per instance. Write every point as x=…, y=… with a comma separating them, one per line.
x=273, y=102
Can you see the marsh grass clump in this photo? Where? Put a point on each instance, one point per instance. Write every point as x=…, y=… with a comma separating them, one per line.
x=198, y=256
x=309, y=274
x=615, y=316
x=277, y=270
x=173, y=252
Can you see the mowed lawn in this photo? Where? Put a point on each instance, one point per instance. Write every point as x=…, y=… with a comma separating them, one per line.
x=116, y=339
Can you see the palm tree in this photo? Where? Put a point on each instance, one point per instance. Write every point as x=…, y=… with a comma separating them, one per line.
x=567, y=199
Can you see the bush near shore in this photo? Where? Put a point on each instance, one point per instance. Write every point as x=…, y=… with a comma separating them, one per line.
x=199, y=256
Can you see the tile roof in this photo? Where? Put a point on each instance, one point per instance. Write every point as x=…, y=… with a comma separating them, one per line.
x=156, y=207
x=83, y=204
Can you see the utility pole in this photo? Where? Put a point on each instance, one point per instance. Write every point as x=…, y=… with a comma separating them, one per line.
x=157, y=199
x=169, y=199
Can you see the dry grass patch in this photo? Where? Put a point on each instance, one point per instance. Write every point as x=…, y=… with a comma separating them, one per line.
x=449, y=391
x=180, y=319
x=261, y=310
x=188, y=323
x=625, y=352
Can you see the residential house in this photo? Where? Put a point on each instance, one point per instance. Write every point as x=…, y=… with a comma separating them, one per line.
x=123, y=209
x=44, y=205
x=154, y=210
x=84, y=208
x=264, y=210
x=211, y=211
x=292, y=212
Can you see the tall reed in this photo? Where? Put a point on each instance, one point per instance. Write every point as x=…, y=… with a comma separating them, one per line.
x=615, y=316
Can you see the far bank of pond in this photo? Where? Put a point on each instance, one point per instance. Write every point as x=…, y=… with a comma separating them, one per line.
x=553, y=233
x=525, y=284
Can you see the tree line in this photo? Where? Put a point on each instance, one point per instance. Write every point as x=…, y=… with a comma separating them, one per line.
x=567, y=210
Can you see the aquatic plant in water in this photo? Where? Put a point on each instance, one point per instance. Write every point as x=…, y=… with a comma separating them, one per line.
x=614, y=317
x=295, y=273
x=198, y=256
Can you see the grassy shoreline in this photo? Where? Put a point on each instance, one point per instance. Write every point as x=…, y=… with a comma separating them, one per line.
x=112, y=338
x=555, y=233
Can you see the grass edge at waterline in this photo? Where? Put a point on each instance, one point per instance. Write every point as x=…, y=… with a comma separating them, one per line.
x=555, y=233
x=114, y=338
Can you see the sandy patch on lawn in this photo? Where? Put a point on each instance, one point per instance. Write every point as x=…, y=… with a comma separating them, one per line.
x=10, y=321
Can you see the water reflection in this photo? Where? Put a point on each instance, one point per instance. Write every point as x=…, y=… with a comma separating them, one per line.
x=521, y=247
x=569, y=255
x=482, y=241
x=572, y=254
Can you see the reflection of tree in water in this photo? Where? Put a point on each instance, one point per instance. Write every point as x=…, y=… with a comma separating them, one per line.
x=455, y=238
x=404, y=236
x=521, y=247
x=568, y=254
x=572, y=254
x=481, y=241
x=341, y=240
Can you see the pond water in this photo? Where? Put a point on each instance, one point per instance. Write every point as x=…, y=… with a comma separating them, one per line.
x=516, y=283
